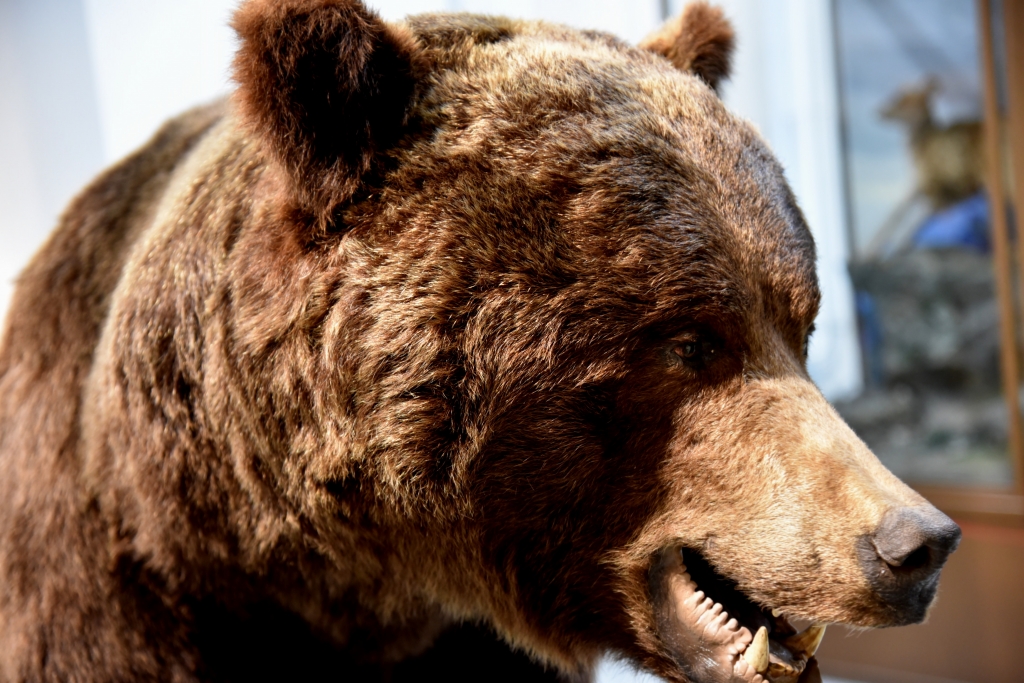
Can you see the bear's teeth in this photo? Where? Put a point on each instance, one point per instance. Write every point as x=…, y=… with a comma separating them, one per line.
x=756, y=653
x=742, y=670
x=807, y=641
x=776, y=612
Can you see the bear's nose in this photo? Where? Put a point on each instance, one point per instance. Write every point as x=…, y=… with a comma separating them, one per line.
x=915, y=538
x=903, y=556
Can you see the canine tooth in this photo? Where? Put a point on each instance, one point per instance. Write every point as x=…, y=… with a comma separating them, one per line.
x=776, y=612
x=807, y=641
x=757, y=652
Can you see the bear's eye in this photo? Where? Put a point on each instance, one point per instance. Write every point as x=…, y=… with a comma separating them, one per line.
x=696, y=352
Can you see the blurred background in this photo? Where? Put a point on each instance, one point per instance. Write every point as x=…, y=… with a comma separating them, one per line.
x=901, y=127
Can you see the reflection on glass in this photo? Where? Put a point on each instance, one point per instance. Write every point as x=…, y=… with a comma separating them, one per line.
x=911, y=94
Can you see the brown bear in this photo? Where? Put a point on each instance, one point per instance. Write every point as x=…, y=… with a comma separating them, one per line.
x=462, y=347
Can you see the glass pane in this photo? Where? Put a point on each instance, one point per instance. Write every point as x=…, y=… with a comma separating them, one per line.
x=922, y=264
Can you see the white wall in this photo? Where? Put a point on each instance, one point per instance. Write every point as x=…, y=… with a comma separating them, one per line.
x=151, y=60
x=49, y=129
x=21, y=203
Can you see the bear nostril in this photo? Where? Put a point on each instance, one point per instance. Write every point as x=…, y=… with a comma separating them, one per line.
x=917, y=559
x=915, y=538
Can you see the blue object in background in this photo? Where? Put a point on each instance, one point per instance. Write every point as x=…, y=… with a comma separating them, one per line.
x=963, y=225
x=870, y=338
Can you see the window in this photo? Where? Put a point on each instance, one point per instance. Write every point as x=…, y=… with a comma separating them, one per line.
x=934, y=256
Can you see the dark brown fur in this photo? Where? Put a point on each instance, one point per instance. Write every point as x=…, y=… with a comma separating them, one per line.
x=324, y=86
x=700, y=40
x=281, y=396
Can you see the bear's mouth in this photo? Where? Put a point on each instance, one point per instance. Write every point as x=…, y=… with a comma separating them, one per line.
x=734, y=639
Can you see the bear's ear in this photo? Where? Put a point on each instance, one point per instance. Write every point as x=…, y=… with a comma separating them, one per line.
x=700, y=41
x=325, y=86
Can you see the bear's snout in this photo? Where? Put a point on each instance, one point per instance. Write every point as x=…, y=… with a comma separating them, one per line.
x=903, y=556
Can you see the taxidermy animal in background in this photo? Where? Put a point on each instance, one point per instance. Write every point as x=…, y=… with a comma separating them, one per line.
x=948, y=158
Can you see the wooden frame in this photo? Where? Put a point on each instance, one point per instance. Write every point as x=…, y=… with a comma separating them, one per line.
x=1002, y=251
x=989, y=506
x=1013, y=26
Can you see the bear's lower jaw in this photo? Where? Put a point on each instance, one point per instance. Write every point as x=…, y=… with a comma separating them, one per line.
x=729, y=639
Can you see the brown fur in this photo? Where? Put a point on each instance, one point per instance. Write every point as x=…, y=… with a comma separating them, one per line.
x=279, y=397
x=700, y=40
x=324, y=86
